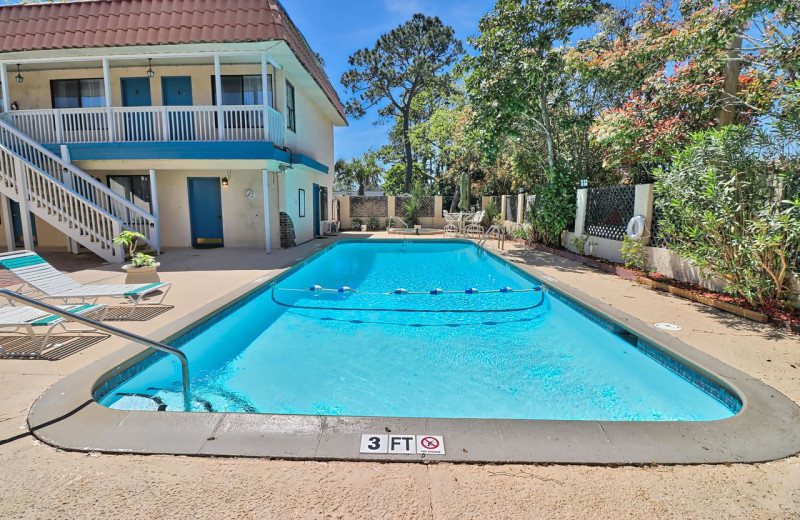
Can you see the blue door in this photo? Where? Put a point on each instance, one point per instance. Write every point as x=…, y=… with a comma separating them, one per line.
x=177, y=91
x=136, y=93
x=205, y=211
x=316, y=210
x=16, y=220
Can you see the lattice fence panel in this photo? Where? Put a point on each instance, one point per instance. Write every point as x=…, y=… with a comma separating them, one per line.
x=512, y=203
x=365, y=206
x=427, y=210
x=530, y=201
x=608, y=211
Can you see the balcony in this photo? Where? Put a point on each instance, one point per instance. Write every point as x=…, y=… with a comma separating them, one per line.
x=150, y=124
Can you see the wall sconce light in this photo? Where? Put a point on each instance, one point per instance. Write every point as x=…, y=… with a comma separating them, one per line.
x=224, y=181
x=14, y=106
x=19, y=77
x=150, y=72
x=584, y=183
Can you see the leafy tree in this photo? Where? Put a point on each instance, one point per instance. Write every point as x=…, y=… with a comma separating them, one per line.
x=394, y=180
x=412, y=59
x=362, y=172
x=518, y=70
x=680, y=69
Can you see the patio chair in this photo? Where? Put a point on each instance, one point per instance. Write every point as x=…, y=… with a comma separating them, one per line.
x=475, y=224
x=450, y=231
x=35, y=272
x=27, y=318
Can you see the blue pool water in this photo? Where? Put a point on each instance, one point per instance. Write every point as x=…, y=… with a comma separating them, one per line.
x=518, y=355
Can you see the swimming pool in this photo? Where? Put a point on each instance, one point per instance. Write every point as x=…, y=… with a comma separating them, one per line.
x=386, y=347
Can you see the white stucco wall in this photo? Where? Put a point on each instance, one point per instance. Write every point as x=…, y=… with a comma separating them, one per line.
x=243, y=220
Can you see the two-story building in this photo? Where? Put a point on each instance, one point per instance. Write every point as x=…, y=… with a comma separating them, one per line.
x=196, y=122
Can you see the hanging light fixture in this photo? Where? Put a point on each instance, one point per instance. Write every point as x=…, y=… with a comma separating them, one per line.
x=19, y=77
x=150, y=72
x=225, y=181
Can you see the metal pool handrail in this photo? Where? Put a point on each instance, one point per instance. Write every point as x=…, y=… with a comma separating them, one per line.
x=393, y=218
x=488, y=235
x=30, y=302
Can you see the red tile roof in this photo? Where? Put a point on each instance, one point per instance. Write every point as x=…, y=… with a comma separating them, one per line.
x=120, y=23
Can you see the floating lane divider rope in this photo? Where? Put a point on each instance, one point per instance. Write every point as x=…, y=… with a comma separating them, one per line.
x=505, y=290
x=401, y=291
x=318, y=288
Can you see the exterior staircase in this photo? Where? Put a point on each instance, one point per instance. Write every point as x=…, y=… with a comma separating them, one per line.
x=68, y=198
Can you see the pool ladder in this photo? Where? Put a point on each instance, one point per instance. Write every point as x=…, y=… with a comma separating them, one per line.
x=501, y=237
x=398, y=219
x=36, y=304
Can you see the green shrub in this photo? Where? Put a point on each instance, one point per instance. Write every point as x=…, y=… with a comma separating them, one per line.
x=726, y=209
x=554, y=208
x=492, y=210
x=633, y=254
x=373, y=224
x=130, y=240
x=357, y=223
x=519, y=232
x=579, y=243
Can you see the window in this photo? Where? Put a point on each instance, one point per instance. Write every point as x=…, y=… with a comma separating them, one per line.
x=77, y=93
x=323, y=203
x=135, y=188
x=301, y=201
x=290, y=108
x=242, y=90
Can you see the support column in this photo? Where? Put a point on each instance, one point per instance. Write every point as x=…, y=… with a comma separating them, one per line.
x=72, y=246
x=264, y=91
x=267, y=227
x=4, y=79
x=156, y=234
x=582, y=197
x=8, y=223
x=643, y=205
x=107, y=90
x=503, y=207
x=280, y=91
x=220, y=112
x=520, y=208
x=24, y=213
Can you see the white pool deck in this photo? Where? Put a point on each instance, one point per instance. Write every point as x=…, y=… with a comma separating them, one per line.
x=38, y=481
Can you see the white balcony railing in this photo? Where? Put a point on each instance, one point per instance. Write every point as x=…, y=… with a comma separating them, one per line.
x=150, y=124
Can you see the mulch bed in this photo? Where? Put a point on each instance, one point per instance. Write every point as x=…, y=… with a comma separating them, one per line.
x=773, y=312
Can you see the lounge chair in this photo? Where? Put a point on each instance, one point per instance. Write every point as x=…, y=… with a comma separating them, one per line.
x=475, y=224
x=27, y=318
x=35, y=272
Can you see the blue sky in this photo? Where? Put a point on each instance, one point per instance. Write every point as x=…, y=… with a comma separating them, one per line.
x=337, y=28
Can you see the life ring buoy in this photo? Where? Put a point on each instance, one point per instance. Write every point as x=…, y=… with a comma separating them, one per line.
x=636, y=227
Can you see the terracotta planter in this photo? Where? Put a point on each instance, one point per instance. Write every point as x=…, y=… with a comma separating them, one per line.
x=147, y=274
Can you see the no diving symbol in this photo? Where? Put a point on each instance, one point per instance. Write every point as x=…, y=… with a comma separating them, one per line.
x=429, y=443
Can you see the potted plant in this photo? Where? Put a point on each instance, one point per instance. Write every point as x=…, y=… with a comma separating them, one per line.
x=143, y=267
x=359, y=224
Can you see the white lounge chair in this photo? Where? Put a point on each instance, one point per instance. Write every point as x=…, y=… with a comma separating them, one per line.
x=16, y=318
x=475, y=224
x=35, y=272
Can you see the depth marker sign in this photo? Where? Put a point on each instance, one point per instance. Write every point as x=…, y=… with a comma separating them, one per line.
x=402, y=444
